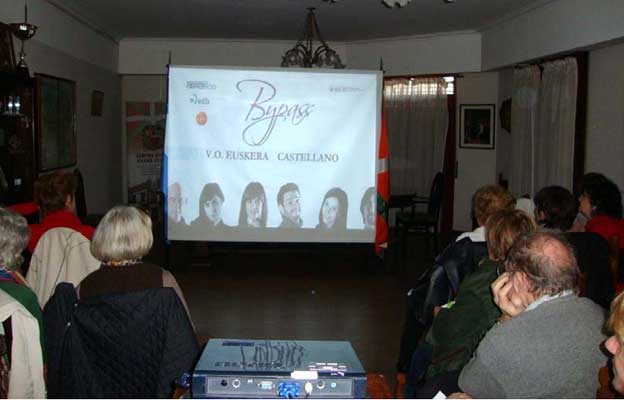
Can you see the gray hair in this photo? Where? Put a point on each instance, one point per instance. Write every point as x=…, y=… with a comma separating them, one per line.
x=14, y=237
x=124, y=234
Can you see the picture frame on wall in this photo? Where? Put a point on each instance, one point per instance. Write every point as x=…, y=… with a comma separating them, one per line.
x=477, y=128
x=55, y=122
x=97, y=103
x=7, y=55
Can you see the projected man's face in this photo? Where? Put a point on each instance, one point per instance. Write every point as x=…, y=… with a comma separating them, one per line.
x=368, y=213
x=212, y=207
x=331, y=206
x=174, y=202
x=291, y=207
x=254, y=211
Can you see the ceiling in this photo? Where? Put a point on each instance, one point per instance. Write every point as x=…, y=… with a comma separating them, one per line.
x=345, y=20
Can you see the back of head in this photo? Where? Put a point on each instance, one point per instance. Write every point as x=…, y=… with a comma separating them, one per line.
x=124, y=234
x=14, y=236
x=548, y=262
x=604, y=195
x=489, y=199
x=52, y=191
x=503, y=228
x=558, y=206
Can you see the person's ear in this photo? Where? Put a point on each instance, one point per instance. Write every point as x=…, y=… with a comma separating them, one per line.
x=70, y=202
x=612, y=344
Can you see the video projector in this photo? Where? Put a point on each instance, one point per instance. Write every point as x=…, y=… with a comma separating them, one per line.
x=241, y=368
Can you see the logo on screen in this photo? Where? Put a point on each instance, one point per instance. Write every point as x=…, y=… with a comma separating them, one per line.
x=265, y=113
x=200, y=85
x=201, y=118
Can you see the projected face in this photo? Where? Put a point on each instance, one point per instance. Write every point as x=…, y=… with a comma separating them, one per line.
x=330, y=209
x=212, y=207
x=368, y=212
x=254, y=211
x=174, y=202
x=291, y=209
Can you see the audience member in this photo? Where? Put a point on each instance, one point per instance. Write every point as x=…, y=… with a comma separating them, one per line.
x=601, y=203
x=615, y=344
x=55, y=196
x=121, y=239
x=547, y=342
x=485, y=202
x=14, y=237
x=556, y=210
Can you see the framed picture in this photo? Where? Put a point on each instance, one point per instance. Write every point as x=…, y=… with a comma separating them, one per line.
x=97, y=103
x=477, y=126
x=7, y=56
x=56, y=122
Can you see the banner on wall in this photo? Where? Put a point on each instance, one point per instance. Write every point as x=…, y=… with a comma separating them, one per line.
x=145, y=127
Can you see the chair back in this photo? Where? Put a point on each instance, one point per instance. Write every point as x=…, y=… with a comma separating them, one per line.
x=614, y=261
x=436, y=195
x=81, y=201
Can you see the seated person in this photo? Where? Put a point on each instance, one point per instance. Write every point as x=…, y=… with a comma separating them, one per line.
x=20, y=315
x=457, y=330
x=555, y=211
x=615, y=343
x=440, y=283
x=546, y=344
x=55, y=195
x=121, y=239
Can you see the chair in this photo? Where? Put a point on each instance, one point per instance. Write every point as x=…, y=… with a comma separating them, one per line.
x=81, y=202
x=424, y=222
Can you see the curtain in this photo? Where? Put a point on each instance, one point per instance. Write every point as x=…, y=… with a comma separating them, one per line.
x=554, y=146
x=417, y=120
x=524, y=111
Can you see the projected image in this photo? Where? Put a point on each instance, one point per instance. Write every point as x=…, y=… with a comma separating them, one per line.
x=289, y=205
x=251, y=153
x=367, y=208
x=210, y=209
x=333, y=213
x=175, y=200
x=253, y=207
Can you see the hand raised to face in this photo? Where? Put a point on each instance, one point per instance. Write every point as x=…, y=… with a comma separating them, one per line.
x=507, y=297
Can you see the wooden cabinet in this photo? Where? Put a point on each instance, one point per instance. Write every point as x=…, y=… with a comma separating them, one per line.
x=18, y=169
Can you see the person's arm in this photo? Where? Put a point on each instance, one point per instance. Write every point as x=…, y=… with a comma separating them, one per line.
x=170, y=281
x=478, y=381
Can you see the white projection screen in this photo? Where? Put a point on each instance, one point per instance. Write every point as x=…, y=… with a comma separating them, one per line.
x=271, y=155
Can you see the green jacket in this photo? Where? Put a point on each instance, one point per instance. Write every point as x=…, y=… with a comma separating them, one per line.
x=457, y=331
x=26, y=297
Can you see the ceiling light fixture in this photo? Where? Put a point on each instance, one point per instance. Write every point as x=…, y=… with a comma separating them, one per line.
x=392, y=3
x=303, y=54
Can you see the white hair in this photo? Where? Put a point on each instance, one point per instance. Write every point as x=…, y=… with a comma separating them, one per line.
x=124, y=234
x=14, y=237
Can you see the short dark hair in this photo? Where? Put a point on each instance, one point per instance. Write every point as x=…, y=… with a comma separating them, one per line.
x=368, y=193
x=501, y=230
x=253, y=190
x=558, y=205
x=604, y=195
x=343, y=208
x=289, y=187
x=51, y=191
x=547, y=260
x=209, y=191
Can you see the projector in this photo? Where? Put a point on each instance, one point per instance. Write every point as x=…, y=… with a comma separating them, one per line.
x=242, y=368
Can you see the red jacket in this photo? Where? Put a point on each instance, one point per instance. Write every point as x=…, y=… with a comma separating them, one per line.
x=606, y=227
x=57, y=219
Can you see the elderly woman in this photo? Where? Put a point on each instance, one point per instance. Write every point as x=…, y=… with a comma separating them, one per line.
x=253, y=207
x=55, y=196
x=333, y=212
x=14, y=236
x=121, y=239
x=615, y=344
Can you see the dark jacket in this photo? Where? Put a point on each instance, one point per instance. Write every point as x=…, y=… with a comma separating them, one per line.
x=131, y=345
x=437, y=286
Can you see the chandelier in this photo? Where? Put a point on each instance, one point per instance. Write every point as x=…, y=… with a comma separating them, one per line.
x=392, y=3
x=304, y=55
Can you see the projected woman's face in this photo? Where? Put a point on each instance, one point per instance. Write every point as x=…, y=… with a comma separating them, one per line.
x=369, y=212
x=331, y=206
x=212, y=207
x=253, y=207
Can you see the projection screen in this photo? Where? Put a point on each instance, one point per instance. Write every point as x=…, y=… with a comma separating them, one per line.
x=271, y=155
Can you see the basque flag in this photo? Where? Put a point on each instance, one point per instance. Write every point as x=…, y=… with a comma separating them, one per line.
x=383, y=189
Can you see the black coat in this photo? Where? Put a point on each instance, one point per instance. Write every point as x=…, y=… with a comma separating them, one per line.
x=125, y=345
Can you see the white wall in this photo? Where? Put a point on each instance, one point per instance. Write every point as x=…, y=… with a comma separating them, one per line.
x=66, y=48
x=605, y=113
x=450, y=52
x=503, y=143
x=555, y=27
x=477, y=167
x=150, y=56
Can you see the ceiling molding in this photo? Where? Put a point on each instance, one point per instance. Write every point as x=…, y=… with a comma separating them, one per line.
x=515, y=14
x=80, y=18
x=412, y=37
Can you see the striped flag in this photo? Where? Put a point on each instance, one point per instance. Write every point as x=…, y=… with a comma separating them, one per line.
x=383, y=189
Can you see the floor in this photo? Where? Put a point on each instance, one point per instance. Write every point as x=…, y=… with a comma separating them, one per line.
x=314, y=292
